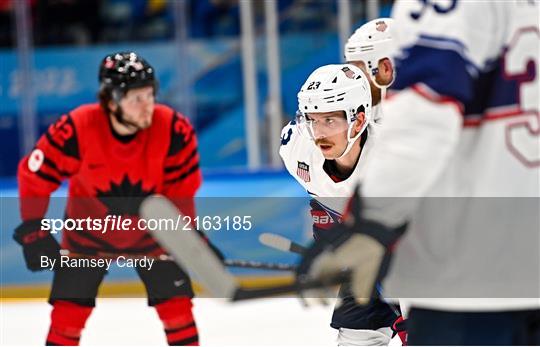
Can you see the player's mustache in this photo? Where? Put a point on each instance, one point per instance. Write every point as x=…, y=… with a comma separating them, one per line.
x=323, y=142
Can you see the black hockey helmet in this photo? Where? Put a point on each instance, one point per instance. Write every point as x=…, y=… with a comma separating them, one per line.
x=122, y=71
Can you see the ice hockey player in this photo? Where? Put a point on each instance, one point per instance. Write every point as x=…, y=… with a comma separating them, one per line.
x=370, y=48
x=461, y=161
x=326, y=149
x=114, y=153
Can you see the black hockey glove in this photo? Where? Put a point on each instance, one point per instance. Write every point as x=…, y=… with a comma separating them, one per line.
x=36, y=243
x=359, y=245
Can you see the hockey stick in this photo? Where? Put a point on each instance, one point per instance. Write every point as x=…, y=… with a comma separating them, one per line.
x=281, y=243
x=284, y=244
x=250, y=264
x=296, y=287
x=107, y=255
x=191, y=252
x=246, y=264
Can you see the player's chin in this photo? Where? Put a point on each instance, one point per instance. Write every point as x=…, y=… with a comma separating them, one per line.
x=328, y=151
x=331, y=157
x=146, y=123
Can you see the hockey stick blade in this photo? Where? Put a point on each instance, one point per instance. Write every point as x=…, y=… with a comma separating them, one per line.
x=281, y=243
x=188, y=249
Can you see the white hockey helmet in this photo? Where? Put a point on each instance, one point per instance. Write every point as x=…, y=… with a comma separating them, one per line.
x=370, y=43
x=338, y=87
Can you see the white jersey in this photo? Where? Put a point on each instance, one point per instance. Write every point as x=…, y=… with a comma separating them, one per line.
x=304, y=161
x=468, y=82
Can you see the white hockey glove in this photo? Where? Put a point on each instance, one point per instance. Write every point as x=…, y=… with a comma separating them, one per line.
x=359, y=245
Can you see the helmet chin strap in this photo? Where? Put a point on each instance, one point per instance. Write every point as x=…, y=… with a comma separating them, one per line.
x=351, y=141
x=383, y=93
x=383, y=87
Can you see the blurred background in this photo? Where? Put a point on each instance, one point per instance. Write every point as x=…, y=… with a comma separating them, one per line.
x=232, y=67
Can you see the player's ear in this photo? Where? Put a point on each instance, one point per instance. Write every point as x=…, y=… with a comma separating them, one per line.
x=386, y=72
x=359, y=122
x=112, y=106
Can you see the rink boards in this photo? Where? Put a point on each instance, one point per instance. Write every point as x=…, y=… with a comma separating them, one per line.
x=274, y=200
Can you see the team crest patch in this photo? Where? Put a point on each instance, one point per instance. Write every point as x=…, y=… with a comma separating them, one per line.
x=348, y=72
x=35, y=160
x=303, y=171
x=381, y=26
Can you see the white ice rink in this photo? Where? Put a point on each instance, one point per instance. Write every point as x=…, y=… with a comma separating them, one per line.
x=128, y=322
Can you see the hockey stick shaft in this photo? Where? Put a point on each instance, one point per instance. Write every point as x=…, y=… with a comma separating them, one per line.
x=281, y=243
x=293, y=288
x=108, y=255
x=296, y=248
x=259, y=265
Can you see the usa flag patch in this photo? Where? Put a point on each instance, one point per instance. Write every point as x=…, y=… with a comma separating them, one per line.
x=303, y=171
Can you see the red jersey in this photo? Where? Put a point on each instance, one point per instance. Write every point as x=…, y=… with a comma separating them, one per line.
x=109, y=174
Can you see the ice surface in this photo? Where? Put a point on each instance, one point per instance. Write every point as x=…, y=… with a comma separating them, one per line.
x=128, y=322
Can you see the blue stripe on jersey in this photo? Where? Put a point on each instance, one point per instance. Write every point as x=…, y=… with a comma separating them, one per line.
x=492, y=89
x=444, y=71
x=448, y=43
x=448, y=73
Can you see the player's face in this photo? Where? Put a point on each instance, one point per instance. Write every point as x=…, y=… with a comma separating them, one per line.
x=384, y=77
x=330, y=132
x=138, y=107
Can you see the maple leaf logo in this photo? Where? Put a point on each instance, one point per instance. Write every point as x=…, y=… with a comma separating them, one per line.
x=124, y=198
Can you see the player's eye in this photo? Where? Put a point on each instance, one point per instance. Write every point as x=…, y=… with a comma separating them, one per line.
x=141, y=98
